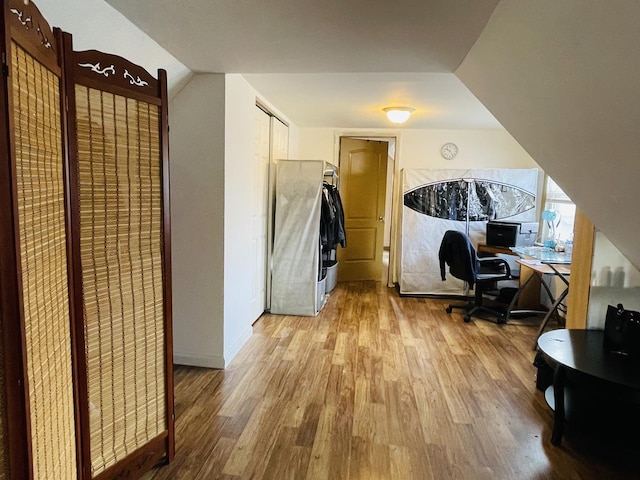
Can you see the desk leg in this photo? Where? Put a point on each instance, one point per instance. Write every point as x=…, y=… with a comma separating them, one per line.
x=546, y=318
x=514, y=300
x=558, y=410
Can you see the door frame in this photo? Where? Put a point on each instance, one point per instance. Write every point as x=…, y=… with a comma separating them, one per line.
x=270, y=197
x=391, y=135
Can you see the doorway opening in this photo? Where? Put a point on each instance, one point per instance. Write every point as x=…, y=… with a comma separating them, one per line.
x=367, y=178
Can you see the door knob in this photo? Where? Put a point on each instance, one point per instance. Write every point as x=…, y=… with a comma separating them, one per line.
x=381, y=219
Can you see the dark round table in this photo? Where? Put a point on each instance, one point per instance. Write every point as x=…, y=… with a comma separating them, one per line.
x=589, y=383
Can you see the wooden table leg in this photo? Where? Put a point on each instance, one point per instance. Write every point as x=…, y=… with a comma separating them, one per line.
x=558, y=410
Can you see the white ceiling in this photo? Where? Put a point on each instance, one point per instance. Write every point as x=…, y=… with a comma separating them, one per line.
x=544, y=67
x=349, y=100
x=332, y=63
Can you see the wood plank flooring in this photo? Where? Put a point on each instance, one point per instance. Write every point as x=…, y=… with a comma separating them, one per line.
x=379, y=386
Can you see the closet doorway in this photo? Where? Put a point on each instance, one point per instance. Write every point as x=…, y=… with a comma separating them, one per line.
x=270, y=143
x=363, y=187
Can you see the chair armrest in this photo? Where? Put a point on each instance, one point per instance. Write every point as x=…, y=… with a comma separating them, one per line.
x=494, y=265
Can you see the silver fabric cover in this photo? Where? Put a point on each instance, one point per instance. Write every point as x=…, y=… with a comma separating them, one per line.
x=435, y=201
x=296, y=246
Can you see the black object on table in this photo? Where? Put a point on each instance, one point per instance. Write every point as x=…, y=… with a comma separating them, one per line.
x=590, y=385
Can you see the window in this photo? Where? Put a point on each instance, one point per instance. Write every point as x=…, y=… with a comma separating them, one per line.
x=558, y=201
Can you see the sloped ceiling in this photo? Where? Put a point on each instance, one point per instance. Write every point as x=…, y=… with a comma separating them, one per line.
x=346, y=100
x=293, y=36
x=332, y=63
x=564, y=79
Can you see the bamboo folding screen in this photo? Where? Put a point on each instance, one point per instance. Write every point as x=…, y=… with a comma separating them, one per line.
x=86, y=386
x=119, y=187
x=35, y=285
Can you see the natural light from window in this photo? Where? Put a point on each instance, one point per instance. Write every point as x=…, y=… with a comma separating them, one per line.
x=557, y=200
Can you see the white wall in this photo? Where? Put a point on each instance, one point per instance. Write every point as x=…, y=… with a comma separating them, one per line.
x=476, y=149
x=421, y=148
x=607, y=257
x=239, y=166
x=212, y=158
x=614, y=280
x=197, y=156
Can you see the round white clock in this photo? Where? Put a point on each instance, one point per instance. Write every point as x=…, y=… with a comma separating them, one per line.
x=449, y=150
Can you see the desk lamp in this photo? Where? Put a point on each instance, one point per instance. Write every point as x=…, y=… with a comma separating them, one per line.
x=549, y=216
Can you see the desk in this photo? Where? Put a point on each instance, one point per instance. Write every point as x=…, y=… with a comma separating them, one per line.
x=589, y=384
x=529, y=297
x=543, y=254
x=492, y=249
x=542, y=261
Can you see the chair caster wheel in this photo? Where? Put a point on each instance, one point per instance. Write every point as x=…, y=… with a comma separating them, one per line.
x=467, y=319
x=449, y=309
x=501, y=320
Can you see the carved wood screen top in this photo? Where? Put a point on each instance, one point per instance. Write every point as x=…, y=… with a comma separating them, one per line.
x=113, y=74
x=29, y=29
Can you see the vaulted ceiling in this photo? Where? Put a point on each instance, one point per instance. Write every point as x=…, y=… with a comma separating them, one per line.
x=293, y=36
x=332, y=63
x=561, y=77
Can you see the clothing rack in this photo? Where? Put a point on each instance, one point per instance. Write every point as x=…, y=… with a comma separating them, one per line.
x=331, y=172
x=332, y=178
x=329, y=253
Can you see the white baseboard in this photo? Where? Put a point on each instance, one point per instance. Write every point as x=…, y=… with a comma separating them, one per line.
x=233, y=350
x=205, y=361
x=213, y=361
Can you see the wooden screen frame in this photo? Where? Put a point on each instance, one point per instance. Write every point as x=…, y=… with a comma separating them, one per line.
x=23, y=24
x=136, y=84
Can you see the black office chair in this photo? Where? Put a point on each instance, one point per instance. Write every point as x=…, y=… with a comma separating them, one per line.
x=482, y=272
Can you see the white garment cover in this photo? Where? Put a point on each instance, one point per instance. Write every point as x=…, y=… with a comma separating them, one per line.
x=296, y=243
x=421, y=234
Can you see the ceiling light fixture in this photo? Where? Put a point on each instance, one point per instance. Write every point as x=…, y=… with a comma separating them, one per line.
x=398, y=114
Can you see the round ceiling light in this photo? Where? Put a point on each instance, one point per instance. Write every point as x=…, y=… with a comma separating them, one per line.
x=398, y=114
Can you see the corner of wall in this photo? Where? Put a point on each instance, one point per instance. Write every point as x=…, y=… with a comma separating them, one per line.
x=197, y=196
x=204, y=361
x=230, y=351
x=178, y=82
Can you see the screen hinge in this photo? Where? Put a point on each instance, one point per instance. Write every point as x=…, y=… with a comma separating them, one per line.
x=5, y=67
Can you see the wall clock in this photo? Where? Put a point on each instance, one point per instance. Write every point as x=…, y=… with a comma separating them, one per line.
x=449, y=150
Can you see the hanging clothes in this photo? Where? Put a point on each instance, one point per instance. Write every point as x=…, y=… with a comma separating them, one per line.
x=332, y=232
x=340, y=234
x=327, y=219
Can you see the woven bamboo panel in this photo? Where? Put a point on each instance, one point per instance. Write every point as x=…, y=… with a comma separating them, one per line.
x=41, y=217
x=120, y=196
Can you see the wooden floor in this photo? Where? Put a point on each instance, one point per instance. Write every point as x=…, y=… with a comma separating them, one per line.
x=379, y=386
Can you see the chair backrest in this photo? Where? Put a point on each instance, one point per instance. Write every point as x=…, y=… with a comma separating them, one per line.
x=456, y=250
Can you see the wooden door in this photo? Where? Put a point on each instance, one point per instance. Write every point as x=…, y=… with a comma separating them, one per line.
x=363, y=175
